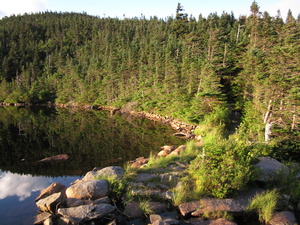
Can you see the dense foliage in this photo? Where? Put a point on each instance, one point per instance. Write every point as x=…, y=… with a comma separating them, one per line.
x=182, y=66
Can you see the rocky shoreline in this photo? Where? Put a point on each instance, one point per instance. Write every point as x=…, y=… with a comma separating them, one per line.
x=112, y=195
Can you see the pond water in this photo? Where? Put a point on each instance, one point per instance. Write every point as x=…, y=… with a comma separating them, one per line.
x=90, y=138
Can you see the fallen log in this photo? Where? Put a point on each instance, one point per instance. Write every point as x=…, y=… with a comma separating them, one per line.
x=55, y=158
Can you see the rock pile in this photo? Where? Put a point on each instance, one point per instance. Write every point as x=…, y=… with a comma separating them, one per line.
x=147, y=199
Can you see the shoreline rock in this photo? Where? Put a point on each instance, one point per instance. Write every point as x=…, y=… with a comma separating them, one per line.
x=150, y=193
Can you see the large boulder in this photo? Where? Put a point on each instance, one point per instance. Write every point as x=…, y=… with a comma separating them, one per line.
x=86, y=213
x=111, y=171
x=270, y=168
x=49, y=204
x=235, y=206
x=53, y=188
x=283, y=218
x=91, y=189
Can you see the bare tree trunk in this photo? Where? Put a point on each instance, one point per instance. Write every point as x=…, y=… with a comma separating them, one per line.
x=267, y=119
x=268, y=132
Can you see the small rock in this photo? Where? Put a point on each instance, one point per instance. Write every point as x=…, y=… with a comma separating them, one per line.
x=198, y=221
x=189, y=207
x=48, y=221
x=91, y=189
x=141, y=177
x=137, y=163
x=163, y=219
x=85, y=213
x=111, y=171
x=178, y=150
x=283, y=218
x=168, y=148
x=102, y=200
x=63, y=221
x=157, y=207
x=49, y=203
x=42, y=217
x=163, y=153
x=221, y=221
x=74, y=202
x=53, y=188
x=133, y=210
x=151, y=185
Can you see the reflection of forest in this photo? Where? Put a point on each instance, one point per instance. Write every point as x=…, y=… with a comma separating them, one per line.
x=90, y=138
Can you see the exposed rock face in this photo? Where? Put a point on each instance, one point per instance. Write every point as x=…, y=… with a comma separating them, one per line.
x=283, y=218
x=91, y=189
x=53, y=188
x=61, y=157
x=236, y=206
x=111, y=171
x=270, y=168
x=49, y=203
x=85, y=213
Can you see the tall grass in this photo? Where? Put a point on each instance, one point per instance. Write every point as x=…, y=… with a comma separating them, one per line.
x=264, y=204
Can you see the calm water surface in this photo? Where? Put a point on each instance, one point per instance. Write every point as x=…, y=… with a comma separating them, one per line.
x=90, y=138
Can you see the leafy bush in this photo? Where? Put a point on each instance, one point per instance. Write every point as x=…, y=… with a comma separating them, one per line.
x=223, y=168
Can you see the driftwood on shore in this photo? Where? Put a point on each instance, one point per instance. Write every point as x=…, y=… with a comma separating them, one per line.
x=55, y=158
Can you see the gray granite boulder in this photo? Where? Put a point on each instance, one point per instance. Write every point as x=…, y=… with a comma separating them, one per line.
x=86, y=213
x=270, y=168
x=283, y=218
x=91, y=189
x=51, y=189
x=111, y=171
x=49, y=203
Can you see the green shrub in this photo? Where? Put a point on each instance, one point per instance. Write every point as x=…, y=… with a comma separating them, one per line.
x=223, y=167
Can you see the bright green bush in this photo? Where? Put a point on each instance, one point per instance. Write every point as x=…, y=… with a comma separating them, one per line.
x=223, y=167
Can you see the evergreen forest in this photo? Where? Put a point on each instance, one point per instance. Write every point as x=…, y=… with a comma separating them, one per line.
x=225, y=74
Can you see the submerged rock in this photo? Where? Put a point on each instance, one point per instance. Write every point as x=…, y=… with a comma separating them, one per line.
x=61, y=157
x=91, y=189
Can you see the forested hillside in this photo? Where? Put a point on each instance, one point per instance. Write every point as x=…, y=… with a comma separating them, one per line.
x=202, y=70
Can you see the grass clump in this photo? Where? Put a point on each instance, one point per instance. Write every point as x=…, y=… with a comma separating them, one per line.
x=145, y=207
x=184, y=191
x=264, y=204
x=117, y=187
